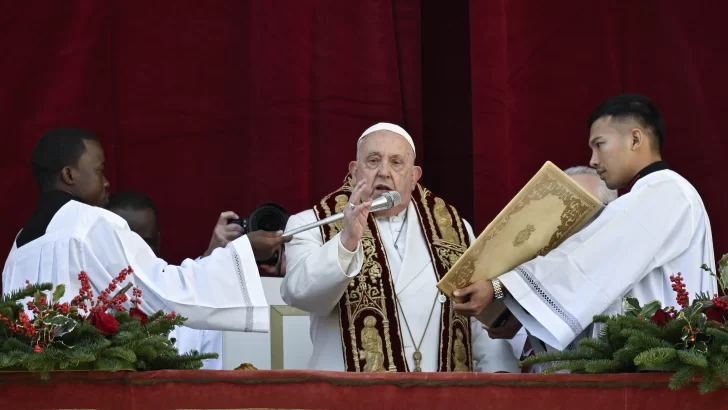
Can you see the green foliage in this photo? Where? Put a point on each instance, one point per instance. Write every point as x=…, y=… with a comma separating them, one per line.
x=75, y=343
x=682, y=378
x=688, y=345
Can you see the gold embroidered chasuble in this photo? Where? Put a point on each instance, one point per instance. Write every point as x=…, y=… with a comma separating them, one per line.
x=371, y=333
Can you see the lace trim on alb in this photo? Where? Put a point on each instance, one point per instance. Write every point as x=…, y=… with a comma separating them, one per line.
x=249, y=309
x=562, y=313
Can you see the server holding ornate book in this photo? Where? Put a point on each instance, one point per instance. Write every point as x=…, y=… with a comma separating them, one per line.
x=368, y=281
x=657, y=228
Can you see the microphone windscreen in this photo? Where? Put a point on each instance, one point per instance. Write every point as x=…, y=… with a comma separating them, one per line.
x=395, y=198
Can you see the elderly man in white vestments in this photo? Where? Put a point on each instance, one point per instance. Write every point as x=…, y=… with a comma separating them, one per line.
x=658, y=228
x=70, y=232
x=368, y=282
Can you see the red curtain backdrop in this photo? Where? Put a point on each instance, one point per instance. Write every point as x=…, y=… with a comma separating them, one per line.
x=539, y=68
x=224, y=105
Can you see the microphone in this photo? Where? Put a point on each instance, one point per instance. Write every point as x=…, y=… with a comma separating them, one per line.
x=388, y=200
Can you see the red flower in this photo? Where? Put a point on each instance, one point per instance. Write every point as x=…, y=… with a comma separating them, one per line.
x=38, y=349
x=660, y=317
x=105, y=323
x=137, y=313
x=715, y=314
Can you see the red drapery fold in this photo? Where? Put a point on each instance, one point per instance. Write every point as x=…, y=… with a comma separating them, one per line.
x=540, y=68
x=214, y=107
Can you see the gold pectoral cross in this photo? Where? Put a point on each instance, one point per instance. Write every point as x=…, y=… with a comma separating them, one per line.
x=418, y=358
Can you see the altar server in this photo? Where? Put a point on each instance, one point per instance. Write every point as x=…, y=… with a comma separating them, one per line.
x=658, y=228
x=368, y=282
x=70, y=232
x=140, y=212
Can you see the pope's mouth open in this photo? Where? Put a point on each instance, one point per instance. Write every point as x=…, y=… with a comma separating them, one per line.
x=379, y=189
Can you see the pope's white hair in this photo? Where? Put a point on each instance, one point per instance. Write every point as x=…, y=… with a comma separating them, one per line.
x=606, y=195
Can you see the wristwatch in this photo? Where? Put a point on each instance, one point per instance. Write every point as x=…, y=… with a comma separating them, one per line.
x=498, y=289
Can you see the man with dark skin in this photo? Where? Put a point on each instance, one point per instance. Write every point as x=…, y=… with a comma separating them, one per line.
x=140, y=212
x=69, y=233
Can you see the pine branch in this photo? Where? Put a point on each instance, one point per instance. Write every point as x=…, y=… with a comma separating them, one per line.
x=643, y=340
x=656, y=355
x=710, y=381
x=598, y=347
x=604, y=366
x=12, y=358
x=548, y=357
x=720, y=335
x=681, y=378
x=692, y=358
x=119, y=352
x=646, y=325
x=721, y=368
x=12, y=344
x=22, y=293
x=627, y=354
x=576, y=366
x=601, y=318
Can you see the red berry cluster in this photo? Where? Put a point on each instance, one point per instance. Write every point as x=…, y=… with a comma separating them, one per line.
x=103, y=302
x=171, y=316
x=84, y=294
x=137, y=299
x=720, y=303
x=64, y=308
x=679, y=287
x=25, y=327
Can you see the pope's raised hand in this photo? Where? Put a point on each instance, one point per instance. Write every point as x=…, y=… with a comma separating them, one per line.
x=355, y=215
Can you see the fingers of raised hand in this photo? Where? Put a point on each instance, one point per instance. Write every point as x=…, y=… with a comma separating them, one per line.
x=362, y=208
x=226, y=216
x=233, y=228
x=356, y=196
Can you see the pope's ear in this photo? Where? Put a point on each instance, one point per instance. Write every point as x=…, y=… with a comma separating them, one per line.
x=352, y=169
x=416, y=175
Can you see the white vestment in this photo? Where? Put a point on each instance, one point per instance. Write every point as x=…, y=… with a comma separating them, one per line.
x=204, y=341
x=222, y=291
x=318, y=274
x=656, y=230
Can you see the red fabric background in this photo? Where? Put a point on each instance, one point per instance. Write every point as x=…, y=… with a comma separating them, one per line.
x=223, y=105
x=210, y=389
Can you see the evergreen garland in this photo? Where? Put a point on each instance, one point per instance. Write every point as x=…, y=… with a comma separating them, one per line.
x=691, y=342
x=63, y=336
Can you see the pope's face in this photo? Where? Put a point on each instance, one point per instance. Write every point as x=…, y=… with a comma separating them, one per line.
x=387, y=162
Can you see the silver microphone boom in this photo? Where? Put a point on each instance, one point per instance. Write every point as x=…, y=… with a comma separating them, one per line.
x=388, y=200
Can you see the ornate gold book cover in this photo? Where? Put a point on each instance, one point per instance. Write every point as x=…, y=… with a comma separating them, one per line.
x=549, y=209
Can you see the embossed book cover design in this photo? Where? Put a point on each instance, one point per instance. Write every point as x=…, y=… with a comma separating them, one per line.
x=549, y=209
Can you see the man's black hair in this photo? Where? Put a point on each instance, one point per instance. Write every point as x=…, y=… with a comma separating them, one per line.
x=56, y=150
x=634, y=107
x=132, y=200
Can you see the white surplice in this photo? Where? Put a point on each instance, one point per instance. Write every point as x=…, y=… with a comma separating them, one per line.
x=204, y=341
x=222, y=291
x=656, y=230
x=318, y=274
